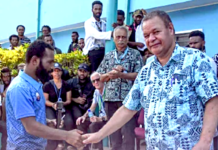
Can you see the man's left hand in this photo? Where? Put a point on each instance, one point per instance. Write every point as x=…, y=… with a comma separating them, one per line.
x=202, y=146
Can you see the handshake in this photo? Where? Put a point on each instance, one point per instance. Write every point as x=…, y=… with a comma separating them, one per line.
x=115, y=73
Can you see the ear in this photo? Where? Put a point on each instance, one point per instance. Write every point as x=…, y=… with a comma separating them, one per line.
x=35, y=61
x=171, y=28
x=204, y=43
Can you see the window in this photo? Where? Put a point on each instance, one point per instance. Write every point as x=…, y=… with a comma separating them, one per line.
x=182, y=37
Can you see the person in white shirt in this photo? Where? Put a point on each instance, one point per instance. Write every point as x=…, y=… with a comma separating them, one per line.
x=96, y=123
x=95, y=36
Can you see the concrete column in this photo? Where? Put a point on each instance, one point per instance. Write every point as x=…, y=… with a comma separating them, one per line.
x=127, y=13
x=38, y=18
x=111, y=18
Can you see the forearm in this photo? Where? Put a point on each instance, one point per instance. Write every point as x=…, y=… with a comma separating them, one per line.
x=46, y=132
x=104, y=77
x=74, y=99
x=120, y=117
x=48, y=103
x=67, y=102
x=129, y=76
x=210, y=120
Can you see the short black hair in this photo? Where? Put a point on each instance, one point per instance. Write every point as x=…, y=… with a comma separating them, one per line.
x=97, y=2
x=37, y=48
x=5, y=69
x=14, y=35
x=21, y=26
x=49, y=35
x=46, y=26
x=75, y=33
x=81, y=39
x=161, y=14
x=197, y=33
x=121, y=12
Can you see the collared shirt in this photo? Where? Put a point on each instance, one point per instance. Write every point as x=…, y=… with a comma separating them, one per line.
x=117, y=89
x=73, y=47
x=99, y=97
x=95, y=35
x=24, y=98
x=139, y=37
x=174, y=98
x=57, y=50
x=215, y=58
x=24, y=40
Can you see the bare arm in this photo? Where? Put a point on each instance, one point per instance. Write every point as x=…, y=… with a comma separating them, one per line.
x=68, y=96
x=129, y=76
x=37, y=129
x=120, y=117
x=105, y=77
x=47, y=102
x=133, y=44
x=209, y=124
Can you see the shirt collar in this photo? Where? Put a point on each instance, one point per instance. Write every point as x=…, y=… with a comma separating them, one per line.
x=176, y=55
x=94, y=20
x=29, y=79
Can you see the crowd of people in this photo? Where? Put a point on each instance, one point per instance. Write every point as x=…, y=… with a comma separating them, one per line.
x=176, y=86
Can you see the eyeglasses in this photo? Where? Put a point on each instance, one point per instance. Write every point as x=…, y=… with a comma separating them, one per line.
x=97, y=80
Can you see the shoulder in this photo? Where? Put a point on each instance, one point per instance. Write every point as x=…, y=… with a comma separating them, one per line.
x=47, y=84
x=109, y=55
x=134, y=52
x=90, y=20
x=72, y=81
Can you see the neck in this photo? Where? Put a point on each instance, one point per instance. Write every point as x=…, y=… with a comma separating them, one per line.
x=57, y=80
x=98, y=19
x=21, y=36
x=82, y=81
x=165, y=58
x=121, y=50
x=30, y=72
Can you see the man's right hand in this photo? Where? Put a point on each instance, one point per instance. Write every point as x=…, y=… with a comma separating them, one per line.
x=114, y=25
x=80, y=100
x=74, y=137
x=80, y=120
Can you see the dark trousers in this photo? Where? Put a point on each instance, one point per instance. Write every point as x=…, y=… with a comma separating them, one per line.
x=95, y=58
x=76, y=113
x=95, y=127
x=68, y=124
x=3, y=130
x=124, y=138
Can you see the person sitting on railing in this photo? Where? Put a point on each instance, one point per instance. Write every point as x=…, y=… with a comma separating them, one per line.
x=53, y=91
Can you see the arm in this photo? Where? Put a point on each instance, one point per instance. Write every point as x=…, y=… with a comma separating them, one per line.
x=129, y=76
x=209, y=124
x=35, y=128
x=93, y=32
x=68, y=101
x=47, y=102
x=120, y=117
x=138, y=44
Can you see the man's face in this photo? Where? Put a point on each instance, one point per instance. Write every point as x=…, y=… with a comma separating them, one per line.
x=14, y=41
x=158, y=37
x=121, y=39
x=45, y=31
x=96, y=82
x=120, y=20
x=6, y=78
x=137, y=19
x=45, y=65
x=97, y=10
x=74, y=37
x=196, y=42
x=49, y=40
x=81, y=43
x=20, y=31
x=82, y=74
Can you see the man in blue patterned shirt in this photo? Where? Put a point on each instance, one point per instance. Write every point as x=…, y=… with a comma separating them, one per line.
x=25, y=104
x=177, y=89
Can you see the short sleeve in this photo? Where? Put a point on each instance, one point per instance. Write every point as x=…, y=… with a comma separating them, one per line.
x=22, y=103
x=205, y=81
x=67, y=86
x=102, y=67
x=47, y=87
x=138, y=63
x=215, y=58
x=95, y=97
x=132, y=100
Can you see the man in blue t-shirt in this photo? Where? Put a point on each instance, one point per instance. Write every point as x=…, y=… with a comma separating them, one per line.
x=25, y=104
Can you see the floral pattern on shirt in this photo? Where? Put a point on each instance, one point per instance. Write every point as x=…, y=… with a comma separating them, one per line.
x=215, y=58
x=174, y=97
x=117, y=89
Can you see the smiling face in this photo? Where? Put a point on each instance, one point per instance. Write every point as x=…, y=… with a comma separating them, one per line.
x=159, y=38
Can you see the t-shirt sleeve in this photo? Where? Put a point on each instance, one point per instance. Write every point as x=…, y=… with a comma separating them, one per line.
x=67, y=87
x=47, y=87
x=132, y=100
x=22, y=103
x=95, y=97
x=206, y=84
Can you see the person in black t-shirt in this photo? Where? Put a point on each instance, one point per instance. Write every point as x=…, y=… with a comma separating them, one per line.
x=53, y=90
